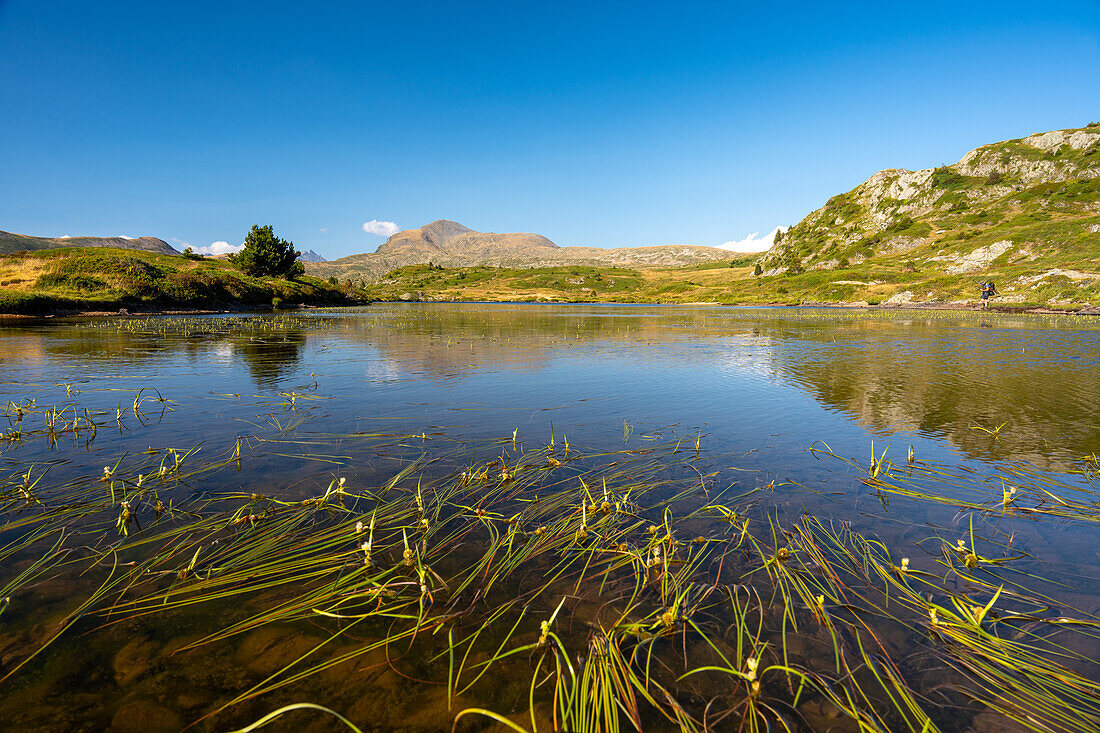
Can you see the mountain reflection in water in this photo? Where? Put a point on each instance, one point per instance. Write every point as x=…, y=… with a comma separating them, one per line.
x=941, y=375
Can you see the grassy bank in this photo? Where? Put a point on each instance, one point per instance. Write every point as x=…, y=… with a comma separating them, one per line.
x=62, y=280
x=1027, y=282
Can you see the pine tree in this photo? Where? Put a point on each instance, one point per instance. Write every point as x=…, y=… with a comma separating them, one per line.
x=265, y=254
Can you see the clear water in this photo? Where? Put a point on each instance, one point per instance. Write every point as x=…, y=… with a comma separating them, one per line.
x=758, y=388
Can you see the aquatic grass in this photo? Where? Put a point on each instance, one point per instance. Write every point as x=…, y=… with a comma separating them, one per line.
x=276, y=714
x=621, y=589
x=1024, y=680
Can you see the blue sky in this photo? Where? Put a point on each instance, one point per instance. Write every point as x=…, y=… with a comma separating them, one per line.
x=603, y=124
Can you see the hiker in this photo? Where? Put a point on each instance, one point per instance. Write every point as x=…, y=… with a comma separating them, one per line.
x=988, y=291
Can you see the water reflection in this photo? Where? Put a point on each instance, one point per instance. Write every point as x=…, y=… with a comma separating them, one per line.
x=942, y=376
x=270, y=359
x=945, y=380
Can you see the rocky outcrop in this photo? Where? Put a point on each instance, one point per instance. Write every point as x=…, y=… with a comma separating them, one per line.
x=1019, y=159
x=898, y=211
x=976, y=260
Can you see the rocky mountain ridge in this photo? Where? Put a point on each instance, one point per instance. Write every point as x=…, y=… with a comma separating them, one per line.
x=10, y=242
x=450, y=244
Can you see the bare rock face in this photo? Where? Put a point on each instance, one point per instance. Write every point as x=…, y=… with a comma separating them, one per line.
x=979, y=259
x=1076, y=139
x=902, y=298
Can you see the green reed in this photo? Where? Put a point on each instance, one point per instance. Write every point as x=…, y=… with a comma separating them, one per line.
x=622, y=588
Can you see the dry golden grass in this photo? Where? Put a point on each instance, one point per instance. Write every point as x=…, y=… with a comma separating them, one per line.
x=21, y=274
x=703, y=278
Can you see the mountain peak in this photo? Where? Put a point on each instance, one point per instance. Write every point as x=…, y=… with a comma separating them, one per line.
x=442, y=231
x=444, y=238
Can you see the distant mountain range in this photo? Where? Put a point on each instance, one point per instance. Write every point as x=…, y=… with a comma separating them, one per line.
x=21, y=242
x=451, y=244
x=10, y=242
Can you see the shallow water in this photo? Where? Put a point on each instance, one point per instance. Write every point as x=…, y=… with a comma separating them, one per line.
x=358, y=394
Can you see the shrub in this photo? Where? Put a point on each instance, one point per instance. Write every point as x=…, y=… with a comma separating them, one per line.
x=192, y=287
x=944, y=177
x=903, y=223
x=276, y=302
x=792, y=260
x=84, y=283
x=190, y=254
x=758, y=270
x=994, y=178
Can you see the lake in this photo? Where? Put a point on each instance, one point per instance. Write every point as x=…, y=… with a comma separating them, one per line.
x=565, y=517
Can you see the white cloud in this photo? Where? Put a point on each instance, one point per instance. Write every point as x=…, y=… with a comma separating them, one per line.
x=214, y=248
x=751, y=243
x=218, y=248
x=381, y=228
x=123, y=236
x=324, y=229
x=65, y=236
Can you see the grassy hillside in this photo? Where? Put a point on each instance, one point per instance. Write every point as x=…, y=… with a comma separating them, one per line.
x=1024, y=213
x=708, y=282
x=871, y=282
x=110, y=279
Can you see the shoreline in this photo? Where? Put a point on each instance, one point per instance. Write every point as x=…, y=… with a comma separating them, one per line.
x=1081, y=309
x=1085, y=309
x=126, y=312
